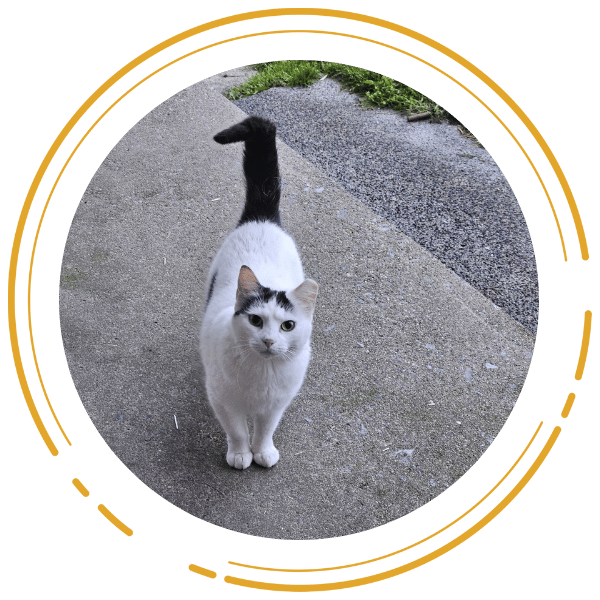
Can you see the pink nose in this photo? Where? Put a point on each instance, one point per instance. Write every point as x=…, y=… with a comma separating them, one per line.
x=268, y=343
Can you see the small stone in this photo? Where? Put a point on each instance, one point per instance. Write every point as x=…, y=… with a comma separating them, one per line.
x=490, y=366
x=328, y=328
x=405, y=453
x=319, y=190
x=308, y=420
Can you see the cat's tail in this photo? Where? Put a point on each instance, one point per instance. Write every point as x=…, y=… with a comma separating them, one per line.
x=263, y=188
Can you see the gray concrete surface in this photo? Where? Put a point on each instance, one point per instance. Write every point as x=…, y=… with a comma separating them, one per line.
x=413, y=374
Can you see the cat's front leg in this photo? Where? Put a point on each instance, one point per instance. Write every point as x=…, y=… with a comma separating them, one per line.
x=239, y=453
x=263, y=450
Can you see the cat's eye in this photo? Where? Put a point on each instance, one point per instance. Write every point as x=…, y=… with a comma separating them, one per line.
x=288, y=325
x=255, y=320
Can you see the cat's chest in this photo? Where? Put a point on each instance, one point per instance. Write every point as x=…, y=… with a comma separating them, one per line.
x=251, y=388
x=269, y=379
x=268, y=383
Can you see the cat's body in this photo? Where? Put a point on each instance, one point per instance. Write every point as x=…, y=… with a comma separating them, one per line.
x=255, y=335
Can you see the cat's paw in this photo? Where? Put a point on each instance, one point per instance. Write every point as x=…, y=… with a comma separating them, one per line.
x=239, y=460
x=267, y=458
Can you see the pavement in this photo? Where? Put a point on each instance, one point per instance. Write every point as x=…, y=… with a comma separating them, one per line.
x=413, y=374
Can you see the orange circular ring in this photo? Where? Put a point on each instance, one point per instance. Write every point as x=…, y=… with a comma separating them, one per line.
x=288, y=12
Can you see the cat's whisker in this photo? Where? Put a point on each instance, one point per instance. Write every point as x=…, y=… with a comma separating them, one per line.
x=289, y=354
x=238, y=348
x=245, y=357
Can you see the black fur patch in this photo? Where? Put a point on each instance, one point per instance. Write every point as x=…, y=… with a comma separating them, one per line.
x=283, y=301
x=261, y=168
x=211, y=287
x=263, y=295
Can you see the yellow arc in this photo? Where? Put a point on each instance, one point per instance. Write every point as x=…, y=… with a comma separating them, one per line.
x=339, y=585
x=585, y=343
x=364, y=562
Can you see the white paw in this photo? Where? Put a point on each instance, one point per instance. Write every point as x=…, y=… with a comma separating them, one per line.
x=267, y=458
x=239, y=460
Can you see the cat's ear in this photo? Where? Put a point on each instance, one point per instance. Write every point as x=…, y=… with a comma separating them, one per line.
x=305, y=296
x=247, y=285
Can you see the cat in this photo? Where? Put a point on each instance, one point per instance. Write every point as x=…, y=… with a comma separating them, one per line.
x=255, y=334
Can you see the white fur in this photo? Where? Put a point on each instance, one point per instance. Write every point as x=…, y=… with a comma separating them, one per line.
x=244, y=379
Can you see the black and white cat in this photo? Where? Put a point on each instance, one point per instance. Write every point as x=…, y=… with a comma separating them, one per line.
x=255, y=335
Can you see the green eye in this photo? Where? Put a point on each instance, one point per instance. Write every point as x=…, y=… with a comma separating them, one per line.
x=288, y=325
x=255, y=320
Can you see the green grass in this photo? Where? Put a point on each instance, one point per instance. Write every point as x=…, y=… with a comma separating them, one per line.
x=290, y=73
x=376, y=91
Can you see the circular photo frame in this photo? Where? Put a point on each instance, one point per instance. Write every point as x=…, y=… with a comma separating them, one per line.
x=233, y=559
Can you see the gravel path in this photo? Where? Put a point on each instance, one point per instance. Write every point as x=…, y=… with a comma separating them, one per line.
x=433, y=184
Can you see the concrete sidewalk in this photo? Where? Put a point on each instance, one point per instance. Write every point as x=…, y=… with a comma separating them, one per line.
x=413, y=371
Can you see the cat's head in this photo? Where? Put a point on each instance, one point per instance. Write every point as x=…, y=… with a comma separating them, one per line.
x=273, y=323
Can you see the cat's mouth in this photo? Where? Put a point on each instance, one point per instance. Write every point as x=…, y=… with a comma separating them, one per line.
x=267, y=353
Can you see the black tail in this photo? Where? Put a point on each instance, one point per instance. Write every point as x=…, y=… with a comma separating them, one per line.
x=260, y=168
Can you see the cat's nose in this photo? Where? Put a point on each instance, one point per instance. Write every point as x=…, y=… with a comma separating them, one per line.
x=268, y=343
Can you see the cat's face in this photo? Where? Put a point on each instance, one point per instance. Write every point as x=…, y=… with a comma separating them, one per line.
x=270, y=331
x=269, y=323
